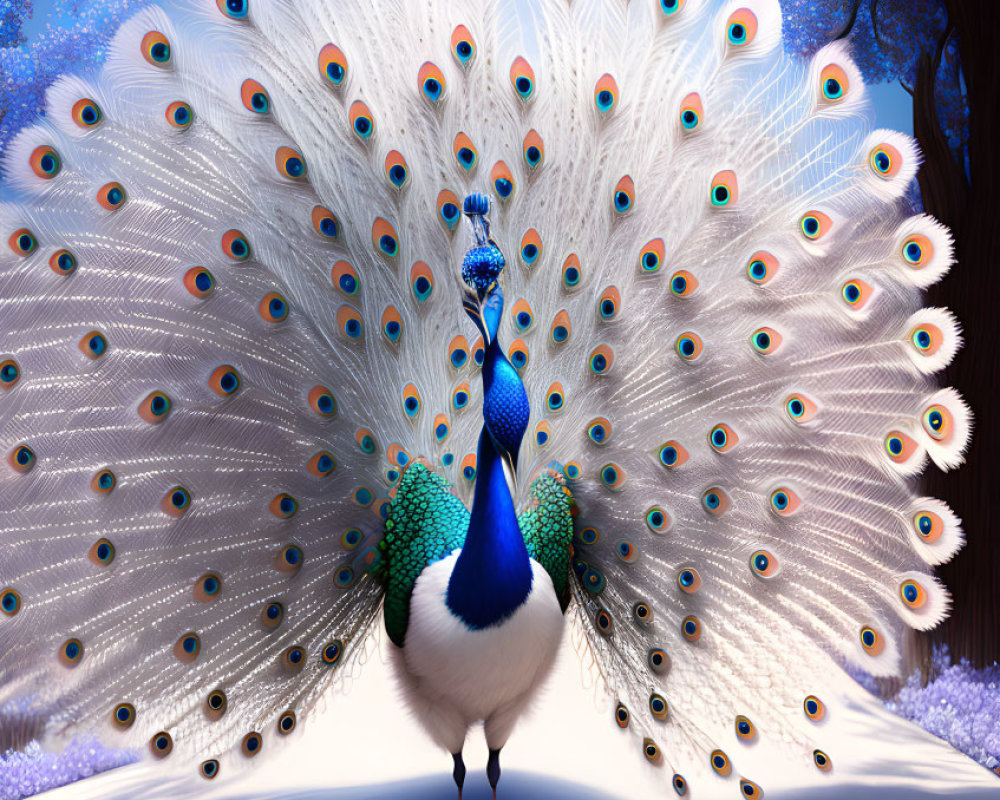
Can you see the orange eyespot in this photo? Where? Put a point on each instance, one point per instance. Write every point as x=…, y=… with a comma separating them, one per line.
x=913, y=594
x=885, y=161
x=651, y=256
x=572, y=274
x=155, y=48
x=421, y=281
x=609, y=303
x=234, y=9
x=833, y=83
x=613, y=477
x=938, y=422
x=601, y=359
x=160, y=744
x=672, y=454
x=362, y=121
x=10, y=373
x=599, y=430
x=522, y=316
x=254, y=97
x=689, y=346
x=784, y=502
x=929, y=526
x=658, y=707
x=176, y=501
x=384, y=238
x=715, y=501
x=899, y=446
x=543, y=432
x=761, y=267
x=623, y=196
x=21, y=458
x=763, y=564
x=283, y=506
x=561, y=329
x=392, y=324
x=154, y=408
x=517, y=354
x=691, y=111
x=224, y=380
x=722, y=438
x=93, y=344
x=397, y=171
x=458, y=352
x=765, y=341
x=465, y=152
x=332, y=64
x=45, y=162
x=252, y=742
x=815, y=225
x=199, y=282
x=533, y=149
x=463, y=46
x=289, y=559
x=321, y=464
x=688, y=580
x=856, y=293
x=917, y=251
x=683, y=283
x=531, y=247
x=324, y=222
x=822, y=761
x=720, y=763
x=86, y=113
x=657, y=520
x=750, y=790
x=111, y=196
x=349, y=321
x=290, y=163
x=102, y=553
x=366, y=440
x=502, y=180
x=741, y=28
x=872, y=641
x=814, y=707
x=927, y=338
x=441, y=427
x=724, y=189
x=236, y=245
x=179, y=114
x=411, y=401
x=431, y=82
x=208, y=587
x=522, y=78
x=468, y=467
x=745, y=729
x=799, y=408
x=123, y=716
x=187, y=648
x=621, y=716
x=345, y=278
x=605, y=93
x=691, y=628
x=555, y=397
x=651, y=751
x=273, y=307
x=286, y=723
x=449, y=208
x=321, y=400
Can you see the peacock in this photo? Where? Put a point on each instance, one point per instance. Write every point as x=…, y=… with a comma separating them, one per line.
x=473, y=321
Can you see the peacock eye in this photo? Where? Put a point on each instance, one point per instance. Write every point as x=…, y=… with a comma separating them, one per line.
x=761, y=267
x=765, y=340
x=834, y=83
x=155, y=48
x=463, y=45
x=396, y=169
x=254, y=97
x=179, y=115
x=651, y=256
x=234, y=9
x=605, y=93
x=522, y=78
x=689, y=346
x=533, y=149
x=431, y=82
x=724, y=190
x=332, y=64
x=290, y=163
x=623, y=195
x=465, y=152
x=691, y=112
x=764, y=564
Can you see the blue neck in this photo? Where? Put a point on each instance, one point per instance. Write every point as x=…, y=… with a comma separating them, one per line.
x=492, y=576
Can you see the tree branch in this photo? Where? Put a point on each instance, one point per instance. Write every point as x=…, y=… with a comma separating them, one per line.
x=849, y=26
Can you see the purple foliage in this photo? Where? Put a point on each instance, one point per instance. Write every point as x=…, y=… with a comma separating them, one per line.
x=34, y=770
x=13, y=14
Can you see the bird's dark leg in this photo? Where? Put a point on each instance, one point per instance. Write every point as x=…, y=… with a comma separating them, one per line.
x=459, y=772
x=493, y=770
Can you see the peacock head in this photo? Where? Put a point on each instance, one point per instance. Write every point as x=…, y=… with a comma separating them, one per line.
x=481, y=268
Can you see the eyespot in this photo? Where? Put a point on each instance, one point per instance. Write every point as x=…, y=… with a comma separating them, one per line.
x=599, y=430
x=236, y=245
x=603, y=622
x=71, y=653
x=345, y=278
x=10, y=602
x=642, y=613
x=289, y=559
x=784, y=502
x=522, y=316
x=621, y=716
x=938, y=422
x=542, y=433
x=741, y=28
x=290, y=163
x=589, y=536
x=154, y=408
x=722, y=438
x=411, y=401
x=224, y=380
x=856, y=293
x=533, y=149
x=86, y=113
x=160, y=744
x=10, y=373
x=332, y=64
x=605, y=93
x=366, y=440
x=871, y=641
x=764, y=564
x=688, y=580
x=613, y=477
x=624, y=195
x=672, y=454
x=179, y=114
x=421, y=281
x=252, y=742
x=683, y=283
x=458, y=352
x=913, y=594
x=155, y=48
x=272, y=615
x=502, y=180
x=21, y=458
x=468, y=467
x=885, y=161
x=571, y=273
x=101, y=553
x=187, y=648
x=273, y=307
x=658, y=707
x=321, y=464
x=716, y=501
x=384, y=238
x=691, y=111
x=45, y=162
x=431, y=82
x=463, y=46
x=283, y=506
x=689, y=346
x=351, y=538
x=362, y=122
x=322, y=401
x=460, y=396
x=651, y=256
x=678, y=782
x=286, y=723
x=479, y=352
x=103, y=482
x=917, y=251
x=601, y=359
x=324, y=222
x=207, y=587
x=928, y=525
x=651, y=751
x=658, y=660
x=234, y=9
x=209, y=769
x=22, y=242
x=93, y=344
x=517, y=354
x=815, y=225
x=724, y=189
x=822, y=761
x=691, y=628
x=745, y=729
x=720, y=763
x=448, y=208
x=609, y=303
x=765, y=340
x=657, y=520
x=761, y=267
x=522, y=78
x=750, y=790
x=176, y=501
x=926, y=338
x=814, y=707
x=531, y=247
x=555, y=397
x=560, y=331
x=396, y=169
x=255, y=97
x=111, y=196
x=199, y=282
x=216, y=704
x=833, y=83
x=123, y=716
x=465, y=152
x=800, y=409
x=899, y=446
